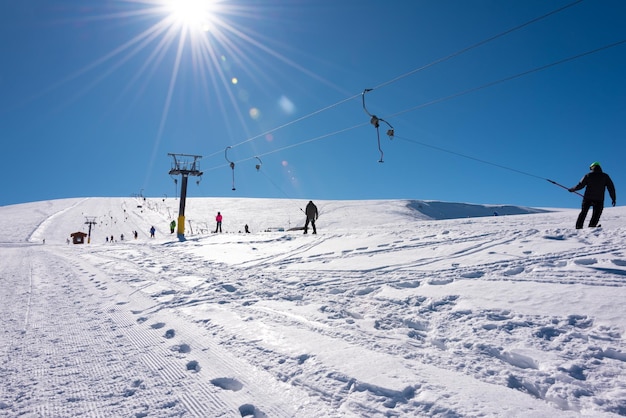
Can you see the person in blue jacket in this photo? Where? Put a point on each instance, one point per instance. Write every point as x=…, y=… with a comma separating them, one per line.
x=595, y=182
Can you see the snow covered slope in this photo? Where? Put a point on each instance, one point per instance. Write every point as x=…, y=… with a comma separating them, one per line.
x=395, y=308
x=55, y=220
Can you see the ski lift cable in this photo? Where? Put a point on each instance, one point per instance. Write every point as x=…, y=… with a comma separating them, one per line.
x=469, y=157
x=317, y=138
x=291, y=122
x=258, y=168
x=512, y=77
x=476, y=45
x=416, y=70
x=439, y=100
x=281, y=190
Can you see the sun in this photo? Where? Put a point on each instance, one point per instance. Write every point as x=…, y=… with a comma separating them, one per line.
x=193, y=14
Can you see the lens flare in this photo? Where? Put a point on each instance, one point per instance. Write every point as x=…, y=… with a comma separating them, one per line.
x=287, y=105
x=255, y=113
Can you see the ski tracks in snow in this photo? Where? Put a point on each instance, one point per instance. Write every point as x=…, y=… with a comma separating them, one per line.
x=384, y=311
x=209, y=380
x=103, y=357
x=379, y=327
x=87, y=368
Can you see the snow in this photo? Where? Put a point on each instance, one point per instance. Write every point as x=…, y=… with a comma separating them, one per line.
x=395, y=308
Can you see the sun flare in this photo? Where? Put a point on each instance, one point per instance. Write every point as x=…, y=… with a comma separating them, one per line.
x=196, y=14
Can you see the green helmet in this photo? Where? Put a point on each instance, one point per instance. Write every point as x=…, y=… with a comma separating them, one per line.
x=594, y=164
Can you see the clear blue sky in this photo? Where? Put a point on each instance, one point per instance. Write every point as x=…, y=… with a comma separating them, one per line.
x=95, y=94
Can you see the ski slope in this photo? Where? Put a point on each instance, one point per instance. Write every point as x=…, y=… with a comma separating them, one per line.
x=395, y=308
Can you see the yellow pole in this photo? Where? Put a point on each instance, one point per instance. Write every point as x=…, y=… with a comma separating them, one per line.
x=181, y=225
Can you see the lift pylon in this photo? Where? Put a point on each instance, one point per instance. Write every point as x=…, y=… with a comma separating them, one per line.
x=184, y=165
x=91, y=221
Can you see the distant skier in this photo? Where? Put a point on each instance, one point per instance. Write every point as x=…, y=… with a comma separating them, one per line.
x=172, y=226
x=152, y=231
x=218, y=221
x=596, y=182
x=245, y=228
x=311, y=216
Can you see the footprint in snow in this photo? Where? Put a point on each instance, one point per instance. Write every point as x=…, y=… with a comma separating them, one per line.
x=229, y=288
x=559, y=263
x=473, y=275
x=408, y=285
x=158, y=325
x=182, y=348
x=555, y=237
x=249, y=410
x=585, y=261
x=365, y=291
x=302, y=358
x=193, y=366
x=440, y=282
x=170, y=333
x=514, y=271
x=617, y=262
x=227, y=383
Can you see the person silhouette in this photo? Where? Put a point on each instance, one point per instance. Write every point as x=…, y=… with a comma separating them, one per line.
x=595, y=183
x=311, y=216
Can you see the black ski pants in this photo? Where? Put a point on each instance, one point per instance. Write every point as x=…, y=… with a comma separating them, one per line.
x=598, y=206
x=306, y=225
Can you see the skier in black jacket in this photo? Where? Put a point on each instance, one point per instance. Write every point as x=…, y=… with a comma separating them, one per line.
x=596, y=182
x=311, y=216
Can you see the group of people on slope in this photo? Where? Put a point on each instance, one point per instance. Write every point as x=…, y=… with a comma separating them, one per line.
x=595, y=182
x=112, y=239
x=311, y=216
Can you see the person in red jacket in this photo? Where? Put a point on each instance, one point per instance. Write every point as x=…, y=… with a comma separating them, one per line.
x=595, y=183
x=218, y=220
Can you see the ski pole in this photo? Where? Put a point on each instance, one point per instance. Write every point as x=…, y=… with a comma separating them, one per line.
x=560, y=185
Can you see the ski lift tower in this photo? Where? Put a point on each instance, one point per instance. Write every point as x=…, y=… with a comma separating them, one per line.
x=91, y=221
x=185, y=165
